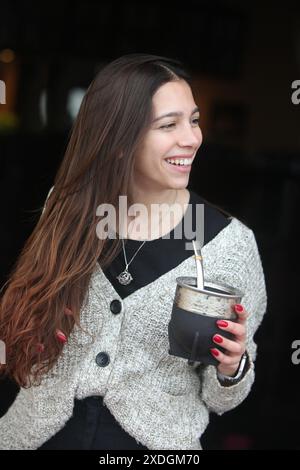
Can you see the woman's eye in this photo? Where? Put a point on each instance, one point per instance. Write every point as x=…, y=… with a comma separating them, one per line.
x=168, y=126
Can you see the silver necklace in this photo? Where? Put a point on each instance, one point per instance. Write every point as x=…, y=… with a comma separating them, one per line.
x=125, y=277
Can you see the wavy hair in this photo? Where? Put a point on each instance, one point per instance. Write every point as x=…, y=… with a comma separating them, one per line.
x=46, y=287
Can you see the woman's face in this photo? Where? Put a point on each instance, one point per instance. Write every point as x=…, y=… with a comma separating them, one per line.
x=168, y=137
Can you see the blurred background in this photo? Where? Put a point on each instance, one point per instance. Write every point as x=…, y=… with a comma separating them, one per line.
x=245, y=61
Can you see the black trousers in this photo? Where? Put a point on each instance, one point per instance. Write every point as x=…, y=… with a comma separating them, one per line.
x=92, y=427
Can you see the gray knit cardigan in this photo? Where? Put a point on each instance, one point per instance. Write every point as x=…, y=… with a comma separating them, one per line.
x=159, y=399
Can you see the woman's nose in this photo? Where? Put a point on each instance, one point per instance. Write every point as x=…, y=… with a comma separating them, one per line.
x=190, y=137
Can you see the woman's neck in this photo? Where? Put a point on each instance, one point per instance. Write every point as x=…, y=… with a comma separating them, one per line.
x=147, y=198
x=159, y=218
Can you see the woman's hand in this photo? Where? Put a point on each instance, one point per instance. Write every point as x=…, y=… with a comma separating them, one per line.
x=230, y=360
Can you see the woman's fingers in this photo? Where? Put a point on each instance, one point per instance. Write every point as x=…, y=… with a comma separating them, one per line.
x=241, y=312
x=233, y=347
x=226, y=360
x=237, y=329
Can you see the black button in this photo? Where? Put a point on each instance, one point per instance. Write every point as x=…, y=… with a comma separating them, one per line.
x=102, y=359
x=115, y=306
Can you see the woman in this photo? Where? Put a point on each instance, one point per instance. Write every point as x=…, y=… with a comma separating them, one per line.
x=85, y=316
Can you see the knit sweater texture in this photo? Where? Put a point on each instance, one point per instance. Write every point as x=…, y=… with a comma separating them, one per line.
x=159, y=399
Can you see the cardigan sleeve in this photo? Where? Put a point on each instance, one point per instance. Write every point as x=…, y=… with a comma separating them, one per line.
x=37, y=414
x=217, y=397
x=41, y=410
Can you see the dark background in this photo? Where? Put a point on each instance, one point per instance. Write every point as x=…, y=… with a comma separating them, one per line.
x=244, y=57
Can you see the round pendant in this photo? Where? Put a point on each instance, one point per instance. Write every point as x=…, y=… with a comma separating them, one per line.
x=124, y=278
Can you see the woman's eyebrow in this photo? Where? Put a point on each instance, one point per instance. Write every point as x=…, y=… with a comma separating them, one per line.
x=175, y=113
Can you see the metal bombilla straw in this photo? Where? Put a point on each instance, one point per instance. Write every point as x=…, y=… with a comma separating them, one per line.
x=200, y=285
x=199, y=266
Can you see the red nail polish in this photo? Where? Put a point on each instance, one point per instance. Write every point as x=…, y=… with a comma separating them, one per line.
x=215, y=352
x=68, y=311
x=61, y=336
x=40, y=347
x=238, y=308
x=218, y=339
x=222, y=323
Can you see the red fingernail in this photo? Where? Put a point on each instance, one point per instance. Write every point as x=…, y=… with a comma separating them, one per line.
x=215, y=352
x=218, y=339
x=238, y=308
x=68, y=311
x=40, y=347
x=61, y=336
x=222, y=323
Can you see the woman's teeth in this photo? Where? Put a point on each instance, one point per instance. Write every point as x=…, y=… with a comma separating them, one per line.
x=183, y=162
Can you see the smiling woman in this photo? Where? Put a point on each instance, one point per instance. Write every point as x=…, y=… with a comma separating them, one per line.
x=164, y=160
x=85, y=319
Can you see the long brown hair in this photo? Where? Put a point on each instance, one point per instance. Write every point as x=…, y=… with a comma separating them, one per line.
x=47, y=285
x=53, y=270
